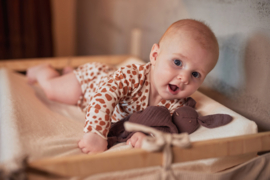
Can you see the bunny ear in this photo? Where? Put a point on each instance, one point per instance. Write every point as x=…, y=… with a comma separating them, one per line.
x=190, y=102
x=216, y=120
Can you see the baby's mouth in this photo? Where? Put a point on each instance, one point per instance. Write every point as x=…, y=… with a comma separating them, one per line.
x=173, y=88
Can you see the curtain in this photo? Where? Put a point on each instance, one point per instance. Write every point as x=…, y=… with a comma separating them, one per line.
x=25, y=29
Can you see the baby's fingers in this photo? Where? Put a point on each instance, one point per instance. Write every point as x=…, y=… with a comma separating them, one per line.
x=81, y=144
x=138, y=143
x=85, y=150
x=133, y=140
x=129, y=142
x=82, y=147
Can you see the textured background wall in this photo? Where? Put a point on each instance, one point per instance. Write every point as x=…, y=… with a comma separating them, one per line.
x=105, y=26
x=241, y=78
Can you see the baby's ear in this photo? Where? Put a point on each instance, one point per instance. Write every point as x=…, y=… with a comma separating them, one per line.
x=154, y=53
x=215, y=120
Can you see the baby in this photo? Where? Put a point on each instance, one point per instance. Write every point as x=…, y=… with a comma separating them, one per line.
x=178, y=65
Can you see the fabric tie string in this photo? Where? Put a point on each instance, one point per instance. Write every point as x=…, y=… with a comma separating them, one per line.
x=161, y=141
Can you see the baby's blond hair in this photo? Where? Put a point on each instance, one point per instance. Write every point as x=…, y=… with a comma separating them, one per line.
x=197, y=30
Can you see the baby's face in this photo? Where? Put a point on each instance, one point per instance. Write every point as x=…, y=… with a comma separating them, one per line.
x=179, y=67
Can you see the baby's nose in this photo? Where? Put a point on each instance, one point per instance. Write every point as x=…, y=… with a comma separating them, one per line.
x=183, y=77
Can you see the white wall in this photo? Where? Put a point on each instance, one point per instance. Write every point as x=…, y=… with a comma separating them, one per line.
x=104, y=27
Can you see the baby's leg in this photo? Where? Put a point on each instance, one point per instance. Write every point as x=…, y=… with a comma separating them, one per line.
x=65, y=89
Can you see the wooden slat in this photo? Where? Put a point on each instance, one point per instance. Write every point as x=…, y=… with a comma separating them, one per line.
x=60, y=62
x=136, y=158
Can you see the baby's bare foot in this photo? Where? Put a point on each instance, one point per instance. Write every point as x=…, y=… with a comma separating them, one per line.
x=32, y=72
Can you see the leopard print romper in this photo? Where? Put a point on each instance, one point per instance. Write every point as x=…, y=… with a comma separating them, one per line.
x=109, y=95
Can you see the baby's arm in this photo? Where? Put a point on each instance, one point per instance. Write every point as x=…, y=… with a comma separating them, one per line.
x=136, y=139
x=100, y=109
x=92, y=143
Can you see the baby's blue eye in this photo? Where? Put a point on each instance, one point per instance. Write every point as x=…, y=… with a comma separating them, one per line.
x=195, y=74
x=177, y=62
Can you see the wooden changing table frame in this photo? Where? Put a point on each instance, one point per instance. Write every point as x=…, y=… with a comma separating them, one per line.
x=78, y=165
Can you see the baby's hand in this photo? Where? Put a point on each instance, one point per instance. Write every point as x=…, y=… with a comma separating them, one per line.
x=136, y=139
x=92, y=143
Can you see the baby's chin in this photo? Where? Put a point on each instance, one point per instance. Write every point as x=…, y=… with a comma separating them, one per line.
x=172, y=97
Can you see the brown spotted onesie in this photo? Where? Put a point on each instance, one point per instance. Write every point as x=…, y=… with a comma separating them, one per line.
x=109, y=95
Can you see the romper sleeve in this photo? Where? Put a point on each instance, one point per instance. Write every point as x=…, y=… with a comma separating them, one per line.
x=125, y=82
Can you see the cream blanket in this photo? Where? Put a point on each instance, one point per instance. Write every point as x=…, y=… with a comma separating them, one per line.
x=35, y=126
x=31, y=124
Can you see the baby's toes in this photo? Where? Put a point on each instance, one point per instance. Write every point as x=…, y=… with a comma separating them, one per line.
x=67, y=70
x=31, y=80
